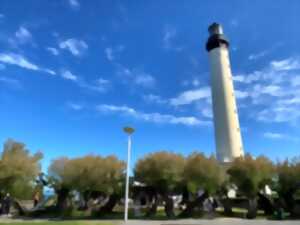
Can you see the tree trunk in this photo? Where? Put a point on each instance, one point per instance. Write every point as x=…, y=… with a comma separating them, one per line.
x=62, y=199
x=153, y=208
x=109, y=206
x=227, y=206
x=188, y=211
x=169, y=207
x=252, y=208
x=289, y=202
x=266, y=204
x=84, y=201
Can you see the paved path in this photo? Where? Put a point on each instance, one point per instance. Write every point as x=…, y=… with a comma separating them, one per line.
x=218, y=221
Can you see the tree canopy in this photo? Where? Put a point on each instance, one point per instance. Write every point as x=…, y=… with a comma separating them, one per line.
x=162, y=170
x=18, y=169
x=201, y=172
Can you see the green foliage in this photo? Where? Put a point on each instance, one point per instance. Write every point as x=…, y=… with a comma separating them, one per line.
x=251, y=174
x=88, y=173
x=202, y=172
x=288, y=177
x=18, y=169
x=161, y=170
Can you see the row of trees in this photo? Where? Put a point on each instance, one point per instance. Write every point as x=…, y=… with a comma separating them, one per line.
x=163, y=175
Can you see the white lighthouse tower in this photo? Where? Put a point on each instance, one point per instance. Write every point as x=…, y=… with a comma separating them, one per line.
x=226, y=123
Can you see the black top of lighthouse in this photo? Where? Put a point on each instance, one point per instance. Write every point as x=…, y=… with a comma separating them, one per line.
x=217, y=38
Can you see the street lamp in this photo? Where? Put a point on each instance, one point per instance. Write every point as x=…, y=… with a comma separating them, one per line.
x=129, y=131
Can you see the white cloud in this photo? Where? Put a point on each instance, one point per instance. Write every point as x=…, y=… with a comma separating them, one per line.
x=154, y=99
x=279, y=114
x=190, y=96
x=75, y=106
x=76, y=47
x=272, y=135
x=144, y=79
x=109, y=54
x=21, y=61
x=99, y=85
x=273, y=91
x=23, y=35
x=286, y=64
x=112, y=53
x=151, y=117
x=279, y=136
x=136, y=76
x=195, y=82
x=169, y=35
x=53, y=51
x=257, y=55
x=241, y=94
x=207, y=112
x=295, y=81
x=74, y=4
x=68, y=75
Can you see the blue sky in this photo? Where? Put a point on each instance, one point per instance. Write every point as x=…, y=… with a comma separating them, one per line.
x=74, y=72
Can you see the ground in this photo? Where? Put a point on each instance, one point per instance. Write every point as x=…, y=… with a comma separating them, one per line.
x=219, y=221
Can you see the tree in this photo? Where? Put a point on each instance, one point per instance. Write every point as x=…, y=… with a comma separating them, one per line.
x=250, y=175
x=18, y=169
x=163, y=171
x=202, y=173
x=86, y=175
x=288, y=184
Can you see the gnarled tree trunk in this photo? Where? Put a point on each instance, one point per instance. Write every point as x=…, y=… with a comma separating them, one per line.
x=266, y=204
x=191, y=205
x=252, y=208
x=109, y=206
x=169, y=207
x=62, y=199
x=227, y=206
x=153, y=207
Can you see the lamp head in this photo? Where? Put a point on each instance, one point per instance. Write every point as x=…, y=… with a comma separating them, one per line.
x=128, y=130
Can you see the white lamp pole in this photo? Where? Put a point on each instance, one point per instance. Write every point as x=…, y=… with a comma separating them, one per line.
x=129, y=131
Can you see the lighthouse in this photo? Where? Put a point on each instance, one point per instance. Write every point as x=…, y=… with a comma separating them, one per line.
x=226, y=123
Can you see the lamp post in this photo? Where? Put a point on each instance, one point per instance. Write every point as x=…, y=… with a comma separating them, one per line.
x=129, y=131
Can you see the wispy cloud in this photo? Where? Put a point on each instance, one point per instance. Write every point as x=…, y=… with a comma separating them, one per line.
x=151, y=117
x=151, y=98
x=111, y=53
x=276, y=89
x=257, y=55
x=286, y=64
x=279, y=136
x=136, y=76
x=76, y=47
x=53, y=51
x=23, y=35
x=75, y=106
x=68, y=75
x=99, y=85
x=190, y=96
x=21, y=61
x=169, y=35
x=74, y=4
